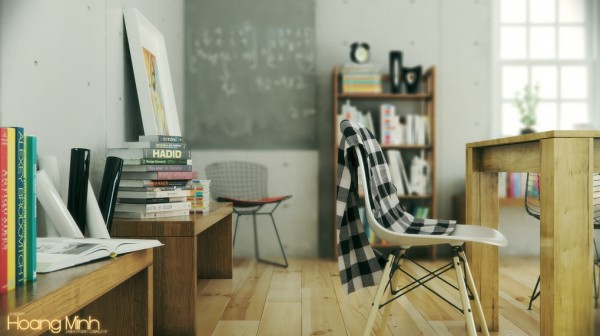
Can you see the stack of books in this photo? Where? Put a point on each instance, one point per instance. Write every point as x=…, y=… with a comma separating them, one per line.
x=361, y=78
x=157, y=177
x=200, y=196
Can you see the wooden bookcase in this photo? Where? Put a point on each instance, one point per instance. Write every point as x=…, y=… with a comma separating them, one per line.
x=422, y=103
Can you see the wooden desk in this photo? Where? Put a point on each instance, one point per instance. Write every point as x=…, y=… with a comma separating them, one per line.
x=116, y=292
x=566, y=161
x=195, y=247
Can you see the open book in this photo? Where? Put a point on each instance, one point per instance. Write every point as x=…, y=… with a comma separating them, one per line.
x=55, y=253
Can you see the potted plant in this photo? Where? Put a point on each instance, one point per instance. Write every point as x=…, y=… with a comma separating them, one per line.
x=526, y=102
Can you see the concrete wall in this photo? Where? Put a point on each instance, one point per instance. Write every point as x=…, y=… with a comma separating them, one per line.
x=66, y=75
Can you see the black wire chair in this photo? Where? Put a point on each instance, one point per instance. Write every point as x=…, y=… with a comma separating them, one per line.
x=532, y=207
x=245, y=185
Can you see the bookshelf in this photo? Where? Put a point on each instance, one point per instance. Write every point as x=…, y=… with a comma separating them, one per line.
x=421, y=104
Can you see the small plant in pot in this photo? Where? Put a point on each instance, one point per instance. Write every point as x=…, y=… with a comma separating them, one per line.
x=526, y=102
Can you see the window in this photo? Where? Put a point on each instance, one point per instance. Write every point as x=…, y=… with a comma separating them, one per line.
x=545, y=43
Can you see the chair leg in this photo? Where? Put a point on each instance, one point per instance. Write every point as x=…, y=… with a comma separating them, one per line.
x=394, y=286
x=256, y=250
x=464, y=296
x=535, y=294
x=471, y=283
x=378, y=295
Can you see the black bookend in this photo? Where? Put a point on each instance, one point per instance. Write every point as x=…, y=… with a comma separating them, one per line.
x=109, y=188
x=79, y=173
x=412, y=78
x=395, y=71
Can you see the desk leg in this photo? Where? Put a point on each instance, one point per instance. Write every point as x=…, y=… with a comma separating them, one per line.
x=566, y=237
x=482, y=209
x=215, y=251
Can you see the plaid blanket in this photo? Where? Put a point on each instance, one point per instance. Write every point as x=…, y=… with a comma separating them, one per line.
x=359, y=265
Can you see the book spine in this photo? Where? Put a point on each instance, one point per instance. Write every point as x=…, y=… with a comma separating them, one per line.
x=168, y=145
x=20, y=205
x=157, y=153
x=147, y=208
x=151, y=200
x=157, y=168
x=3, y=210
x=155, y=183
x=31, y=234
x=161, y=138
x=11, y=213
x=157, y=161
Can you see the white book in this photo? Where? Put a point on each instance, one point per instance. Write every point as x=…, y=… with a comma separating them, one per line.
x=396, y=175
x=147, y=208
x=153, y=194
x=55, y=253
x=158, y=214
x=407, y=185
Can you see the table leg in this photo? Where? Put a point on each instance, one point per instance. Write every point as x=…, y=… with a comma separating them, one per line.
x=482, y=209
x=566, y=237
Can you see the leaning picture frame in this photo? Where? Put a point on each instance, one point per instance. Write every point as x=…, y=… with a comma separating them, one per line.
x=152, y=75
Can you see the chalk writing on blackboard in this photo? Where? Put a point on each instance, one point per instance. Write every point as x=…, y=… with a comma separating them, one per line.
x=251, y=74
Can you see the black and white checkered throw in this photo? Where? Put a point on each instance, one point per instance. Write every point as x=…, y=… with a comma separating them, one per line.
x=359, y=265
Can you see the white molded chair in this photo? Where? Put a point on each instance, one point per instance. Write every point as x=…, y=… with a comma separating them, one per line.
x=390, y=278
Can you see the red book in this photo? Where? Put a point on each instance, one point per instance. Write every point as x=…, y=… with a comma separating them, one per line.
x=3, y=210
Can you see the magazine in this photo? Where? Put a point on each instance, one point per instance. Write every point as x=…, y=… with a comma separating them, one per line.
x=55, y=253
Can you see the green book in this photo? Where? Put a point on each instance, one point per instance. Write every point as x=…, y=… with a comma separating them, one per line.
x=30, y=201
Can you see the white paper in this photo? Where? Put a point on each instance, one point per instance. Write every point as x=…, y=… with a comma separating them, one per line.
x=95, y=226
x=55, y=208
x=50, y=165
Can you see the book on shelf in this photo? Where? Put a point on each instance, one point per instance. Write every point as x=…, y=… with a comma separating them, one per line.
x=159, y=175
x=157, y=168
x=20, y=211
x=164, y=188
x=200, y=196
x=155, y=200
x=4, y=227
x=152, y=194
x=149, y=153
x=31, y=207
x=56, y=253
x=406, y=129
x=154, y=144
x=161, y=138
x=146, y=215
x=350, y=112
x=149, y=161
x=147, y=208
x=398, y=172
x=360, y=78
x=11, y=213
x=154, y=183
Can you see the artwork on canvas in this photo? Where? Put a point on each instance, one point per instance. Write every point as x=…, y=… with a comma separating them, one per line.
x=152, y=75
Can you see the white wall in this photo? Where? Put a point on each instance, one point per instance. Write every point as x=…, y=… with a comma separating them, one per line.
x=65, y=76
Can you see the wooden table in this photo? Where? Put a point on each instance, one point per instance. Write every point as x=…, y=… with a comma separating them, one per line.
x=116, y=292
x=195, y=247
x=566, y=161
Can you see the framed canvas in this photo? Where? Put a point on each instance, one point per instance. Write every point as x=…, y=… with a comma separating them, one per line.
x=152, y=75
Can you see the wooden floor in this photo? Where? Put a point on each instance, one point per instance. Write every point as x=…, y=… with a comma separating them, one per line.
x=307, y=299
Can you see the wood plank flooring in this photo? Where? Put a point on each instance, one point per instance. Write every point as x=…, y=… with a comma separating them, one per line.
x=307, y=299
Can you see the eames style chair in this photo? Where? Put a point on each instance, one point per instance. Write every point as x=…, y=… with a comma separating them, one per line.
x=244, y=184
x=360, y=159
x=532, y=207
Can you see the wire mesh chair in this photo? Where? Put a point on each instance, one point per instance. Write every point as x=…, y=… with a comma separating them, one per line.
x=245, y=185
x=532, y=207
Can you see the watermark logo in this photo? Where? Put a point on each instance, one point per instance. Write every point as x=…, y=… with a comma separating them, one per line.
x=68, y=325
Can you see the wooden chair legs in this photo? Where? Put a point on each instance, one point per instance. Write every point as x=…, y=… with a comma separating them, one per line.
x=464, y=278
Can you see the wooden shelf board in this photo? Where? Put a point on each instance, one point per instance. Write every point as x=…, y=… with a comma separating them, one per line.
x=397, y=96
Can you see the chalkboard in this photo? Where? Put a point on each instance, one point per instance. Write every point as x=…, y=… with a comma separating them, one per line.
x=250, y=74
